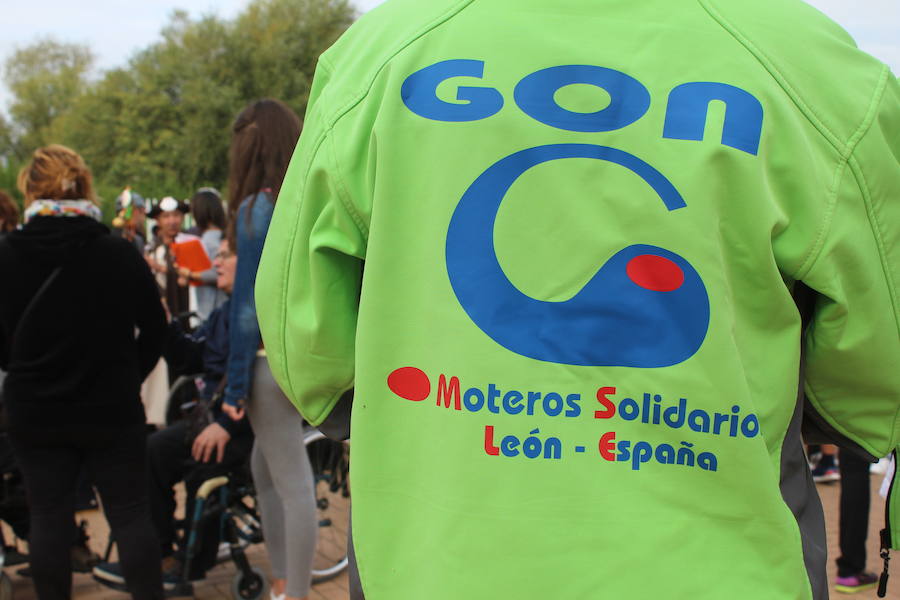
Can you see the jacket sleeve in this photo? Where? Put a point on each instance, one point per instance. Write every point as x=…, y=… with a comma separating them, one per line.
x=309, y=279
x=853, y=341
x=184, y=352
x=150, y=317
x=234, y=428
x=211, y=245
x=243, y=333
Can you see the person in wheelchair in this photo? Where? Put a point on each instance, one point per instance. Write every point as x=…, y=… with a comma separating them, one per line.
x=202, y=445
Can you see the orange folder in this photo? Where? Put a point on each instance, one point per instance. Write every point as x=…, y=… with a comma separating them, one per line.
x=191, y=255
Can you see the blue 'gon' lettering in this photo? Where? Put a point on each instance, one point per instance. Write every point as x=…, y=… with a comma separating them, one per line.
x=689, y=104
x=419, y=92
x=629, y=99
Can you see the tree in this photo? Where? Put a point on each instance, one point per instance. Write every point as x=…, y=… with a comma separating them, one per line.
x=7, y=138
x=44, y=78
x=9, y=171
x=162, y=123
x=275, y=44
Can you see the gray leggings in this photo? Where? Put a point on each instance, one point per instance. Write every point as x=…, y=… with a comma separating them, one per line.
x=284, y=482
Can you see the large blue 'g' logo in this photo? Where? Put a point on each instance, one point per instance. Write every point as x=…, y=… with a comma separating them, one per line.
x=646, y=307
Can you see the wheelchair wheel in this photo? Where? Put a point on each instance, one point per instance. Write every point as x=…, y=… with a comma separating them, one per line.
x=330, y=462
x=183, y=391
x=248, y=586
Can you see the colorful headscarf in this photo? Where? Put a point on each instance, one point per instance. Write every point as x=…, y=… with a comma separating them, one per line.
x=62, y=208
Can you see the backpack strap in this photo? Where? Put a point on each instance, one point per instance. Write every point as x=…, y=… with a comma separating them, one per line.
x=30, y=308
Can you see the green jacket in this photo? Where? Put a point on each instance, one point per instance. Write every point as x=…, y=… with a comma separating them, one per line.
x=574, y=348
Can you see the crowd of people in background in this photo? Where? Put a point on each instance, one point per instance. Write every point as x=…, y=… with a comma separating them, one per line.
x=78, y=395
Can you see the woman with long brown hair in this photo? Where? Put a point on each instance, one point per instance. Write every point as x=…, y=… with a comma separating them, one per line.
x=75, y=366
x=209, y=216
x=264, y=135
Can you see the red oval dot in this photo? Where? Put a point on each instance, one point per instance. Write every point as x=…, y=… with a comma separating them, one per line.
x=410, y=383
x=655, y=273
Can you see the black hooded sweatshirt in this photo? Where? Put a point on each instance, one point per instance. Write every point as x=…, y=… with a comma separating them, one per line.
x=93, y=336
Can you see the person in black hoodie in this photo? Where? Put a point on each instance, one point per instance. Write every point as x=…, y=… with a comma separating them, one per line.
x=190, y=450
x=81, y=325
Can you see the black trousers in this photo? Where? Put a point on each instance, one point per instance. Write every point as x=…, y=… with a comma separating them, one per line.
x=116, y=462
x=169, y=456
x=854, y=513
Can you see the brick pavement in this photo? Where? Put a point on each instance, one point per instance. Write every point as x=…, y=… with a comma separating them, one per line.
x=218, y=583
x=216, y=586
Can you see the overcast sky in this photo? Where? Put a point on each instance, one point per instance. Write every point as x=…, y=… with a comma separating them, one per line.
x=115, y=30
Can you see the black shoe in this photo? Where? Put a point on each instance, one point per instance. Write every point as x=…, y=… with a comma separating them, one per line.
x=826, y=470
x=83, y=559
x=110, y=574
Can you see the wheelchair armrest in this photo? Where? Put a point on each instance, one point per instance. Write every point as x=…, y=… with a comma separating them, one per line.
x=211, y=485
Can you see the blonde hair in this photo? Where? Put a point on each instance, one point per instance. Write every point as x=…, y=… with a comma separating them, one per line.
x=56, y=173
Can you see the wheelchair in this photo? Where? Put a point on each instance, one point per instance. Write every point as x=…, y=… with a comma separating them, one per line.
x=231, y=500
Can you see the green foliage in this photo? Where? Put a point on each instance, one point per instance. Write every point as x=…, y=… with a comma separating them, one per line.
x=7, y=137
x=162, y=123
x=9, y=171
x=45, y=79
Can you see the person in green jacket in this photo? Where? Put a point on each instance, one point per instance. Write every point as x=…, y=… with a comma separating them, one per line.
x=574, y=348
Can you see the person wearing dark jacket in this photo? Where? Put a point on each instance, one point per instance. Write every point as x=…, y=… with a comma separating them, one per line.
x=176, y=454
x=81, y=325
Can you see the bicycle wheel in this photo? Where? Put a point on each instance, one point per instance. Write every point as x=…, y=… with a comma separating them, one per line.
x=330, y=462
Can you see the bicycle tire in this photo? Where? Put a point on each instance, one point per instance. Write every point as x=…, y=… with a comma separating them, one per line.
x=330, y=465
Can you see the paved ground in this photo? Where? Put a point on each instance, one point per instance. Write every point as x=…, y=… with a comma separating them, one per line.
x=218, y=584
x=829, y=493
